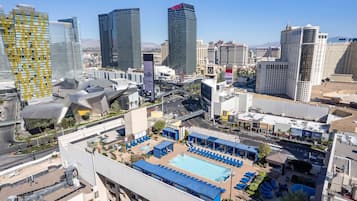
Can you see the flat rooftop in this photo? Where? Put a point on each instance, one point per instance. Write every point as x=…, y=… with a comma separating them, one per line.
x=43, y=181
x=346, y=124
x=294, y=123
x=345, y=155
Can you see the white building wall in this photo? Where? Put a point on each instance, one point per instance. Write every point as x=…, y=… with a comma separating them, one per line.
x=271, y=77
x=88, y=165
x=233, y=54
x=289, y=109
x=138, y=182
x=291, y=47
x=319, y=59
x=136, y=121
x=245, y=102
x=335, y=58
x=211, y=53
x=231, y=105
x=202, y=53
x=164, y=52
x=132, y=75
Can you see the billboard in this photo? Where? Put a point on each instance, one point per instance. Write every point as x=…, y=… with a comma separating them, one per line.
x=149, y=84
x=296, y=132
x=229, y=74
x=206, y=91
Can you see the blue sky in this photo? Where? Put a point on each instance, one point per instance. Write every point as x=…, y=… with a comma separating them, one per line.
x=250, y=21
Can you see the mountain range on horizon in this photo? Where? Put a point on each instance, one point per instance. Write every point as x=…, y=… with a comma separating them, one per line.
x=89, y=43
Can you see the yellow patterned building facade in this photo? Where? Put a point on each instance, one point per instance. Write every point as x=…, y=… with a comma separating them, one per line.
x=27, y=44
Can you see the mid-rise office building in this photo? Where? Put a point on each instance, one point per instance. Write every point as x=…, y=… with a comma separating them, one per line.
x=66, y=53
x=165, y=53
x=202, y=53
x=182, y=38
x=120, y=42
x=27, y=45
x=233, y=54
x=303, y=49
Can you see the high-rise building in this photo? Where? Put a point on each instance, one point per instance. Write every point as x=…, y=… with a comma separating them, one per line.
x=5, y=69
x=271, y=77
x=27, y=45
x=300, y=66
x=182, y=38
x=165, y=53
x=202, y=53
x=233, y=54
x=302, y=48
x=66, y=54
x=120, y=42
x=211, y=53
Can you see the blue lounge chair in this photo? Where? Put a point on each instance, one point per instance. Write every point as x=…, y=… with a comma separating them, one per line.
x=240, y=186
x=250, y=173
x=243, y=181
x=273, y=184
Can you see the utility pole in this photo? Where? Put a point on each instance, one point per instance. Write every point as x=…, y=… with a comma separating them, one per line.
x=230, y=189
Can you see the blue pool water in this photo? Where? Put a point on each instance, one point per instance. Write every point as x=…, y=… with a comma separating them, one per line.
x=145, y=148
x=201, y=167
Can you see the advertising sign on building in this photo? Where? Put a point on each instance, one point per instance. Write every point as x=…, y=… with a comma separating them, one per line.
x=229, y=74
x=296, y=132
x=149, y=84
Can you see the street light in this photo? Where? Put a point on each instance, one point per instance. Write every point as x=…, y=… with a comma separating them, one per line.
x=230, y=189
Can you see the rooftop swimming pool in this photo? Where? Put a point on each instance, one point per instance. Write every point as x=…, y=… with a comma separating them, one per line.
x=201, y=168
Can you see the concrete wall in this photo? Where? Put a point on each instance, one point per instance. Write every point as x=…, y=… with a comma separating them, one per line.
x=136, y=121
x=138, y=182
x=341, y=58
x=335, y=60
x=295, y=110
x=230, y=105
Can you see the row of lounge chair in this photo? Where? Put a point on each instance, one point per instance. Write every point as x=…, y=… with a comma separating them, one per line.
x=138, y=141
x=192, y=178
x=248, y=177
x=218, y=157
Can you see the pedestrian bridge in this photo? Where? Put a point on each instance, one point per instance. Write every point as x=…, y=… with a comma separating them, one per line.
x=191, y=115
x=8, y=123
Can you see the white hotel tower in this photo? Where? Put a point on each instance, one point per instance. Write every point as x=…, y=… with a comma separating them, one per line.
x=303, y=50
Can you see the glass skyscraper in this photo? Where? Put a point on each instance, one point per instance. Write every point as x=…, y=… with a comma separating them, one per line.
x=120, y=40
x=27, y=45
x=182, y=38
x=66, y=54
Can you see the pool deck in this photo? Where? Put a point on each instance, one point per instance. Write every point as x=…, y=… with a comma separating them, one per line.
x=237, y=172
